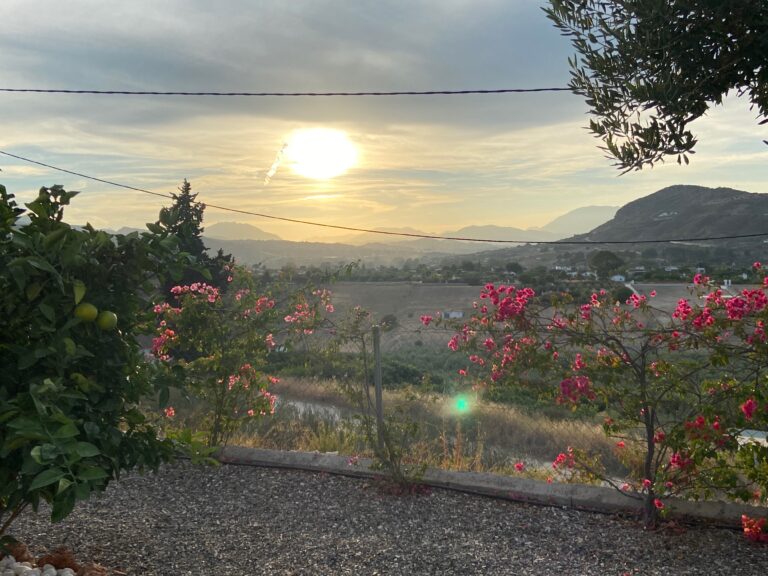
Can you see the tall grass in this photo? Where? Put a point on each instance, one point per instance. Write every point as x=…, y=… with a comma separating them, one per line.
x=489, y=437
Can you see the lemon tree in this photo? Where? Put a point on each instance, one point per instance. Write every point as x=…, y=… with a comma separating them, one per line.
x=70, y=304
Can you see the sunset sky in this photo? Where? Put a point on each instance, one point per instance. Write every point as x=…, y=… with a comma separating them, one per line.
x=431, y=163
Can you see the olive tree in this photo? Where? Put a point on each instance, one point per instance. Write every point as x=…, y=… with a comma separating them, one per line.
x=648, y=68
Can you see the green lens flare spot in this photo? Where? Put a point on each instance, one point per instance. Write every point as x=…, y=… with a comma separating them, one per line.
x=461, y=404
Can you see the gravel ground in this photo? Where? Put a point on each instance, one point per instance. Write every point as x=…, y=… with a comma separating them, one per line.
x=235, y=520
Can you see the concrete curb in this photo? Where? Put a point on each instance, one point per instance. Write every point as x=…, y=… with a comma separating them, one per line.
x=576, y=496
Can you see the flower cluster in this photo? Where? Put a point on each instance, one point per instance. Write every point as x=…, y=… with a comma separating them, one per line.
x=575, y=388
x=160, y=344
x=508, y=301
x=324, y=296
x=565, y=460
x=197, y=288
x=754, y=528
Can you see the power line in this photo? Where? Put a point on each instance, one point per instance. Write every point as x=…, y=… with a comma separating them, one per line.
x=287, y=94
x=384, y=232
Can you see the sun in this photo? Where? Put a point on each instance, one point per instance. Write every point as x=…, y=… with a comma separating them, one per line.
x=320, y=153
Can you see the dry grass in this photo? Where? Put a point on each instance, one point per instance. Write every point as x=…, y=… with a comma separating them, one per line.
x=489, y=437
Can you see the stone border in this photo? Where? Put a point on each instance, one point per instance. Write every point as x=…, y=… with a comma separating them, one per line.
x=577, y=496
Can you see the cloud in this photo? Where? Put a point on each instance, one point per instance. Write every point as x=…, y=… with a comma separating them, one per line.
x=427, y=162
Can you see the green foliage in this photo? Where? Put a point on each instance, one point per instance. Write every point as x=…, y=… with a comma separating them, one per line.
x=193, y=445
x=648, y=68
x=391, y=437
x=621, y=294
x=604, y=262
x=69, y=421
x=184, y=221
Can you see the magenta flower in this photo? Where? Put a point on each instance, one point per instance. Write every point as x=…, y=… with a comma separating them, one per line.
x=748, y=408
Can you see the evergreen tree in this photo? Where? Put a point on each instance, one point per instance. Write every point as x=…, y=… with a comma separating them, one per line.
x=184, y=220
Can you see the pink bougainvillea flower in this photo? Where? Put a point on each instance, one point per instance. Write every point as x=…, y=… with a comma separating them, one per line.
x=753, y=528
x=519, y=466
x=620, y=444
x=453, y=343
x=748, y=408
x=169, y=412
x=659, y=504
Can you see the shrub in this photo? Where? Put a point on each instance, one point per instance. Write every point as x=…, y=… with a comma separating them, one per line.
x=679, y=386
x=71, y=300
x=214, y=342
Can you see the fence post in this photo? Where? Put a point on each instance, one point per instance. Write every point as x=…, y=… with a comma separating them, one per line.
x=377, y=384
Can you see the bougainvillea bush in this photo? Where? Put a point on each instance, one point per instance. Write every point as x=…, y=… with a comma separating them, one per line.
x=213, y=342
x=70, y=302
x=678, y=387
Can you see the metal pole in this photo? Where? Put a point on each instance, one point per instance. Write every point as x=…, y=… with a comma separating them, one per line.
x=377, y=384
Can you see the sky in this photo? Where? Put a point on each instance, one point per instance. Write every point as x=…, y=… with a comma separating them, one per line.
x=432, y=163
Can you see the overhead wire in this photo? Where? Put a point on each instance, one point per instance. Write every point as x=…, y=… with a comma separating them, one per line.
x=385, y=232
x=287, y=94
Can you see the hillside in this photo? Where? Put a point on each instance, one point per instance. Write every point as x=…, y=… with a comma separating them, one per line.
x=238, y=231
x=687, y=211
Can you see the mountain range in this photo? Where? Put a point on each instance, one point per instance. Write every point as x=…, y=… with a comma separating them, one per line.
x=675, y=212
x=574, y=222
x=250, y=245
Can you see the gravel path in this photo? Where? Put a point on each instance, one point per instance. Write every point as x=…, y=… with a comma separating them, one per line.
x=237, y=520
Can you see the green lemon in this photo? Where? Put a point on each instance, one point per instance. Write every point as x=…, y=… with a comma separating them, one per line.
x=86, y=312
x=107, y=320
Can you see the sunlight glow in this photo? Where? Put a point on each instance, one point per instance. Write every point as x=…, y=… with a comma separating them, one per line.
x=321, y=197
x=461, y=404
x=320, y=153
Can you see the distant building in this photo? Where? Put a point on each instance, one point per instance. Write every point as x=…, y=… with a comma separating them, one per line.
x=453, y=314
x=618, y=278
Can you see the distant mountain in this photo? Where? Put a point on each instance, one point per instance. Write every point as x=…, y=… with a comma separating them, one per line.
x=128, y=230
x=580, y=220
x=502, y=233
x=484, y=232
x=361, y=238
x=576, y=221
x=687, y=212
x=238, y=231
